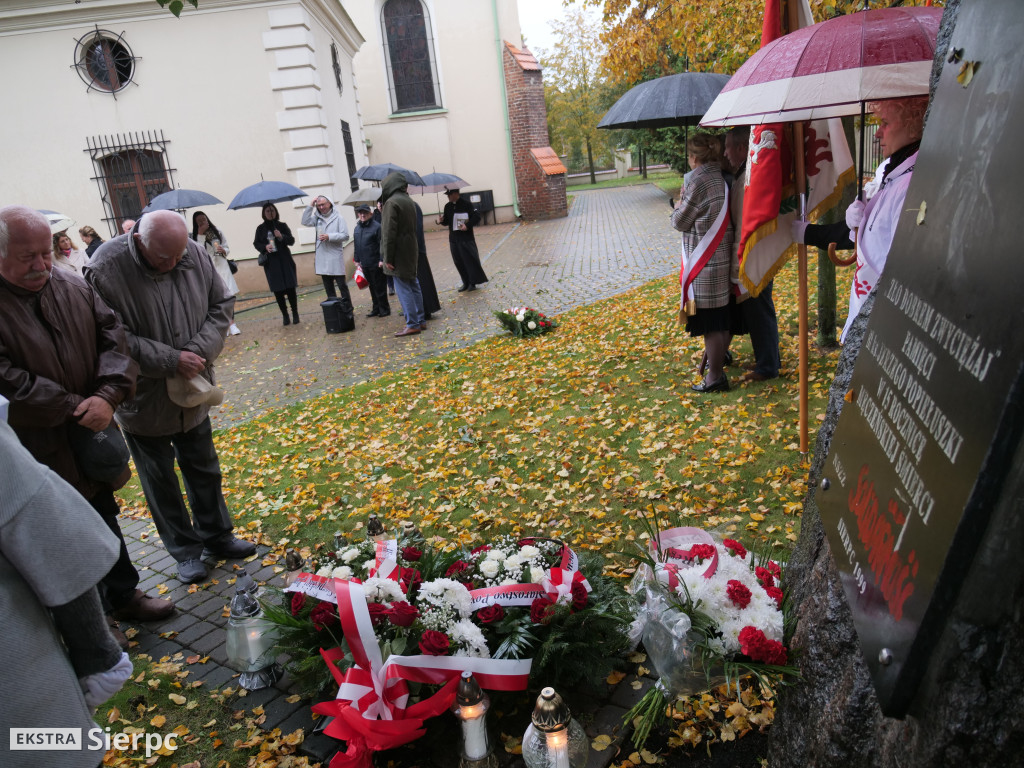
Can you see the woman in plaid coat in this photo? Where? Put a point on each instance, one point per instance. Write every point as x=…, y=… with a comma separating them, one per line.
x=706, y=310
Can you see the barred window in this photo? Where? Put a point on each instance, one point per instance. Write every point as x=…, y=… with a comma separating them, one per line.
x=104, y=61
x=130, y=170
x=409, y=50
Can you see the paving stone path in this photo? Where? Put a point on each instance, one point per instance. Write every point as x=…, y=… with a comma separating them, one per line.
x=612, y=241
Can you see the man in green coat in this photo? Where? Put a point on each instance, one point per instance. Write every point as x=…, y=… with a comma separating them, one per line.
x=399, y=250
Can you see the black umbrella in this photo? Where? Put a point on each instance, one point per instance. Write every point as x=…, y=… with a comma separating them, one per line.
x=379, y=171
x=675, y=100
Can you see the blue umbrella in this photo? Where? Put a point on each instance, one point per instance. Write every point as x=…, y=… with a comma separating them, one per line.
x=379, y=171
x=264, y=193
x=179, y=199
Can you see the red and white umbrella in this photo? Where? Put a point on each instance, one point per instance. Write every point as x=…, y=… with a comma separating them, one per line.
x=831, y=68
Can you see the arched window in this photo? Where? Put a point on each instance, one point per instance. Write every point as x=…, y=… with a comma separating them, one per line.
x=409, y=49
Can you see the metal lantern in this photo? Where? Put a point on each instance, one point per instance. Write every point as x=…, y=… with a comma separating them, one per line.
x=471, y=705
x=411, y=535
x=250, y=642
x=553, y=739
x=339, y=540
x=375, y=529
x=293, y=565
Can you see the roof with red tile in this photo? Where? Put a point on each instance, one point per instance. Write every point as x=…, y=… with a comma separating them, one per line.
x=524, y=58
x=548, y=160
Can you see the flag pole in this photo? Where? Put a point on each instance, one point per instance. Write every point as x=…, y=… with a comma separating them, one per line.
x=801, y=188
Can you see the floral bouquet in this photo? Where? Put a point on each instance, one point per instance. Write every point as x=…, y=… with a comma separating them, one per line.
x=523, y=321
x=397, y=627
x=709, y=612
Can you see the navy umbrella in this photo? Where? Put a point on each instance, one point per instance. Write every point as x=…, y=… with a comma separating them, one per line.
x=379, y=171
x=674, y=100
x=179, y=199
x=264, y=193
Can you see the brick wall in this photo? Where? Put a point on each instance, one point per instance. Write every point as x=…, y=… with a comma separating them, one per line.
x=540, y=196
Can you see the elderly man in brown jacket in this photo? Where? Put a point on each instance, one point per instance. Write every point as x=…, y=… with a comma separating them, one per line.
x=176, y=312
x=65, y=368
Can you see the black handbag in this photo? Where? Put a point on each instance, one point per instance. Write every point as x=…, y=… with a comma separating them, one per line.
x=232, y=266
x=263, y=258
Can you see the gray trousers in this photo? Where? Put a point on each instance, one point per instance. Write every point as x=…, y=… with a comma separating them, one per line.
x=182, y=535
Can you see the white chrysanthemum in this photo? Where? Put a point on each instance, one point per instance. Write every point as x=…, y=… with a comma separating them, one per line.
x=470, y=639
x=513, y=563
x=496, y=554
x=369, y=565
x=341, y=572
x=349, y=555
x=325, y=571
x=528, y=552
x=382, y=591
x=520, y=317
x=489, y=568
x=447, y=593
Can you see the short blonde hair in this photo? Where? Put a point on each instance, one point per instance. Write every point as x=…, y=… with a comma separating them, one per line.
x=705, y=147
x=908, y=112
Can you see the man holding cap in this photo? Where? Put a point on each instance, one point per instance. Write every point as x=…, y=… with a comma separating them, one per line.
x=460, y=216
x=366, y=241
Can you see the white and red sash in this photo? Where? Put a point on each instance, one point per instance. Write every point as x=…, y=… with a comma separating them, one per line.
x=693, y=263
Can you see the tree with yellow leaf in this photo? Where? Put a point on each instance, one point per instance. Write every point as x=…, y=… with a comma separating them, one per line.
x=574, y=87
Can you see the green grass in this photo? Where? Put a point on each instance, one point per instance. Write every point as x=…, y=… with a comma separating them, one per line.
x=571, y=434
x=670, y=181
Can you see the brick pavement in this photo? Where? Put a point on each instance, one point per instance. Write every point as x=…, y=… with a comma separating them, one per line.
x=612, y=241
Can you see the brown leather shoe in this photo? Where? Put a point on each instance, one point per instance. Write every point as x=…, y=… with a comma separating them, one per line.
x=423, y=326
x=409, y=331
x=118, y=635
x=142, y=607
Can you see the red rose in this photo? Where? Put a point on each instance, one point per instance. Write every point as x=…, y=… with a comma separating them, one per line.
x=775, y=594
x=402, y=614
x=324, y=615
x=378, y=613
x=526, y=542
x=434, y=643
x=457, y=569
x=764, y=576
x=579, y=596
x=298, y=603
x=411, y=554
x=738, y=594
x=490, y=614
x=542, y=610
x=411, y=580
x=735, y=547
x=481, y=548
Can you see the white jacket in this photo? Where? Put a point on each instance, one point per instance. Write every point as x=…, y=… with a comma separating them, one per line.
x=329, y=253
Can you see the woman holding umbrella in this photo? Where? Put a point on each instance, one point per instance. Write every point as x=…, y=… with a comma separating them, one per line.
x=272, y=240
x=900, y=125
x=702, y=215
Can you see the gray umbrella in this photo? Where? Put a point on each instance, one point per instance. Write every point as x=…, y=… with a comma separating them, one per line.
x=379, y=171
x=675, y=100
x=264, y=192
x=179, y=199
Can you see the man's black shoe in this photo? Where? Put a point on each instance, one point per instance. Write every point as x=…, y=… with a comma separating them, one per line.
x=229, y=546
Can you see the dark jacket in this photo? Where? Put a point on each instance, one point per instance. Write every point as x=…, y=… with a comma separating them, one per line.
x=462, y=205
x=398, y=245
x=163, y=314
x=366, y=242
x=59, y=346
x=90, y=249
x=280, y=266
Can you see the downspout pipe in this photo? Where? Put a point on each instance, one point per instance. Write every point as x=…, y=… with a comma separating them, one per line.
x=500, y=45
